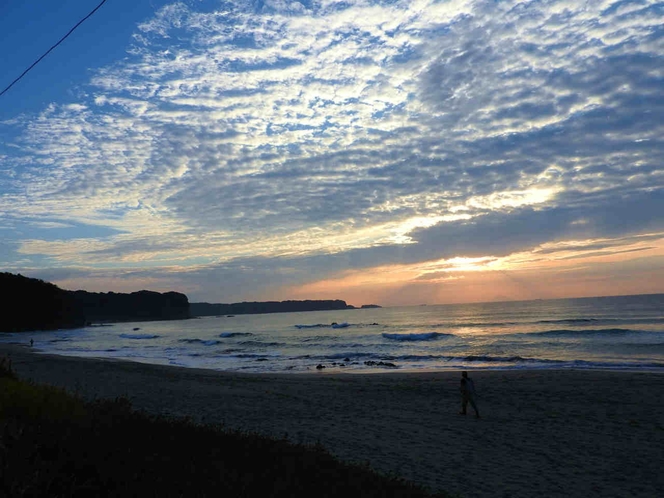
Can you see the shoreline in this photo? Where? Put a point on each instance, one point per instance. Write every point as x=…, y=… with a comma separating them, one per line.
x=333, y=369
x=542, y=432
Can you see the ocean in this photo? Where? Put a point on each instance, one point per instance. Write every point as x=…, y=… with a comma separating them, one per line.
x=617, y=333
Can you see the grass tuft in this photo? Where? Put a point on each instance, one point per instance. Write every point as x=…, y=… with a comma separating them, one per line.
x=56, y=444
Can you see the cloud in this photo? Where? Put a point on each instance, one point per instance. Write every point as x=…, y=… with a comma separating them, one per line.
x=350, y=134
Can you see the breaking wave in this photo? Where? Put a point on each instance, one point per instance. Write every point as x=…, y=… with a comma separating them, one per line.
x=504, y=359
x=425, y=336
x=206, y=342
x=227, y=335
x=588, y=333
x=571, y=320
x=139, y=336
x=333, y=325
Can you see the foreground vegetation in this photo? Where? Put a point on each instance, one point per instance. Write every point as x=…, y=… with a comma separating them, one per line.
x=55, y=444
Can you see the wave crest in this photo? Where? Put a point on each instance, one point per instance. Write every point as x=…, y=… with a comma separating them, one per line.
x=226, y=335
x=424, y=336
x=333, y=325
x=139, y=336
x=206, y=342
x=587, y=333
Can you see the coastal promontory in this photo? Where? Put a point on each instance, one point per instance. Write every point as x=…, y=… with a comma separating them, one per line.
x=32, y=304
x=253, y=307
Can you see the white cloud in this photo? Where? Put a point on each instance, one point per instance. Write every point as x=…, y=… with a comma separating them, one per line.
x=236, y=133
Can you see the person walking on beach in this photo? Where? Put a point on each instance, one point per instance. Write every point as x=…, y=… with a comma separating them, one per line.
x=467, y=389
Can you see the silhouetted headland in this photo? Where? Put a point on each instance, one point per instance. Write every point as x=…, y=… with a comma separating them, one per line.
x=32, y=304
x=216, y=309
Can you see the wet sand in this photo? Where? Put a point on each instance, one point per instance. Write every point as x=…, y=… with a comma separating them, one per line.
x=542, y=433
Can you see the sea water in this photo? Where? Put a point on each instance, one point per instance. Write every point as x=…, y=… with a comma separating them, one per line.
x=624, y=332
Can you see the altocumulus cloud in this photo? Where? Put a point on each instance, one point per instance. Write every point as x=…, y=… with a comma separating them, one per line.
x=267, y=144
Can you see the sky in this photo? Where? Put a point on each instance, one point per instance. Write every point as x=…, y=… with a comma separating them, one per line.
x=380, y=152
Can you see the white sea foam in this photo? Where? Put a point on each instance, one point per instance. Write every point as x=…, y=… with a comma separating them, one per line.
x=426, y=336
x=139, y=336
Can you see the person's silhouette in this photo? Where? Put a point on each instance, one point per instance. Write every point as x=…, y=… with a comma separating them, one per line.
x=467, y=389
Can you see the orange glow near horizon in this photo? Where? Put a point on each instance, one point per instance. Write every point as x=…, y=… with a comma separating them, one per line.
x=582, y=268
x=573, y=269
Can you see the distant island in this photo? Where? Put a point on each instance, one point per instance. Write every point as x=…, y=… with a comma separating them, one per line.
x=32, y=304
x=208, y=309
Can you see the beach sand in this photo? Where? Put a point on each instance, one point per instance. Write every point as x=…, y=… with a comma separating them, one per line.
x=542, y=433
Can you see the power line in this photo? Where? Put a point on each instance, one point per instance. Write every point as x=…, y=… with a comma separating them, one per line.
x=49, y=50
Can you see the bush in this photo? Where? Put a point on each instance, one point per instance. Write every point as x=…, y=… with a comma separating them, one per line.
x=6, y=370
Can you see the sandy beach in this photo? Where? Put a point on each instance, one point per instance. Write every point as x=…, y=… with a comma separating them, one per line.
x=542, y=433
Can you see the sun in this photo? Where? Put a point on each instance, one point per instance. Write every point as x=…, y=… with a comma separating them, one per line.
x=463, y=264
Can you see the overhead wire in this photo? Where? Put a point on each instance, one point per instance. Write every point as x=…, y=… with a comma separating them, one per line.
x=50, y=49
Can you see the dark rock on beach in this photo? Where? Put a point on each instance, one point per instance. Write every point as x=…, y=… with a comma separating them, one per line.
x=372, y=363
